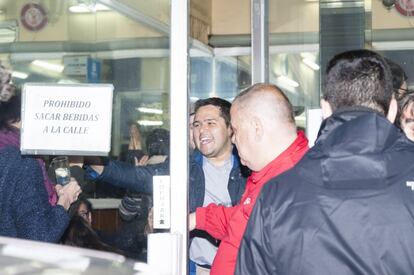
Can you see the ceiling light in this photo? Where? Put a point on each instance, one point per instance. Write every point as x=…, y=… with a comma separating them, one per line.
x=20, y=75
x=286, y=80
x=311, y=56
x=81, y=8
x=150, y=122
x=84, y=8
x=311, y=64
x=100, y=7
x=48, y=66
x=67, y=81
x=150, y=110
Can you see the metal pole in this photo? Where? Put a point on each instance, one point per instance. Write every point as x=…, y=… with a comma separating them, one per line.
x=260, y=41
x=179, y=128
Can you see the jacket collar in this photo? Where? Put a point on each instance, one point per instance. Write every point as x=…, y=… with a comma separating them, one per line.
x=356, y=131
x=357, y=149
x=198, y=157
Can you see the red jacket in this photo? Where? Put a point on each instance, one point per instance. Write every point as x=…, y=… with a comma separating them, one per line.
x=228, y=223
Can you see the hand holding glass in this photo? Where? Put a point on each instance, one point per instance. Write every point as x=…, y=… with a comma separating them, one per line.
x=62, y=170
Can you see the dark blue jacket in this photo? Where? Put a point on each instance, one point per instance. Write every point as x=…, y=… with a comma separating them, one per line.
x=25, y=211
x=345, y=208
x=139, y=178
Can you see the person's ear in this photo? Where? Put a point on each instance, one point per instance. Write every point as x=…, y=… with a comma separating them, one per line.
x=392, y=110
x=257, y=125
x=326, y=108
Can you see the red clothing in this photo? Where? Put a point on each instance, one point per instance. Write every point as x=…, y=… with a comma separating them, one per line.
x=228, y=223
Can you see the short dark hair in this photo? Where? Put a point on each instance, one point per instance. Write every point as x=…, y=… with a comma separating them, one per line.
x=222, y=104
x=158, y=142
x=86, y=202
x=403, y=104
x=398, y=74
x=358, y=78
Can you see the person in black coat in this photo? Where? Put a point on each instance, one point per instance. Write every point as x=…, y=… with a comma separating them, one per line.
x=347, y=207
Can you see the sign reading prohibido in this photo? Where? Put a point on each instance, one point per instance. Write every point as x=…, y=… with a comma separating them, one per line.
x=60, y=119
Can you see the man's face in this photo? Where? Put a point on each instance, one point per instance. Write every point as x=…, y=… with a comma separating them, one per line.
x=243, y=137
x=211, y=134
x=407, y=121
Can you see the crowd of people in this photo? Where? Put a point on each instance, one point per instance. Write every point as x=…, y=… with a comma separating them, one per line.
x=260, y=200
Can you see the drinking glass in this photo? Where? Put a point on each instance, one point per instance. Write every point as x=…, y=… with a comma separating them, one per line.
x=62, y=170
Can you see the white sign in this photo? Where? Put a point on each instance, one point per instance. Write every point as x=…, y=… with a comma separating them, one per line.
x=161, y=196
x=75, y=65
x=63, y=119
x=313, y=123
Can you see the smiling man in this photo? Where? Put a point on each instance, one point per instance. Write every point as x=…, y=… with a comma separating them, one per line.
x=220, y=178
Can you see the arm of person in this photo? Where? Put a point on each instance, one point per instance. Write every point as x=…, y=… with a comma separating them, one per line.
x=213, y=219
x=34, y=217
x=129, y=176
x=255, y=255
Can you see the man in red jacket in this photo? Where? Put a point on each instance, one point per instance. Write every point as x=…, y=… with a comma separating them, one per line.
x=267, y=141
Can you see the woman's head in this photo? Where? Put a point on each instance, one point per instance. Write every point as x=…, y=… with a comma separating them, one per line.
x=10, y=101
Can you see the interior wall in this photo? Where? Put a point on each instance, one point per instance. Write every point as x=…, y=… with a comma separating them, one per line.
x=221, y=17
x=230, y=17
x=383, y=18
x=66, y=26
x=202, y=9
x=233, y=16
x=56, y=30
x=104, y=26
x=293, y=16
x=159, y=9
x=156, y=74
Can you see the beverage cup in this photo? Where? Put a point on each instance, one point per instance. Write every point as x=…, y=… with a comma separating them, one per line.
x=62, y=170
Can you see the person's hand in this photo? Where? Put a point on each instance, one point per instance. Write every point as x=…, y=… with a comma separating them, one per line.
x=68, y=193
x=98, y=168
x=142, y=161
x=192, y=221
x=135, y=139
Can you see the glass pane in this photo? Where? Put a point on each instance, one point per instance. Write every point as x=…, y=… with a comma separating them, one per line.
x=391, y=32
x=294, y=64
x=86, y=42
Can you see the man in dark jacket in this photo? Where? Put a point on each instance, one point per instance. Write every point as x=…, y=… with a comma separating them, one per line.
x=215, y=171
x=347, y=207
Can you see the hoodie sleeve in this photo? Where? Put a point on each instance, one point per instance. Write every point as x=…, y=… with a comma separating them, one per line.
x=129, y=176
x=214, y=219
